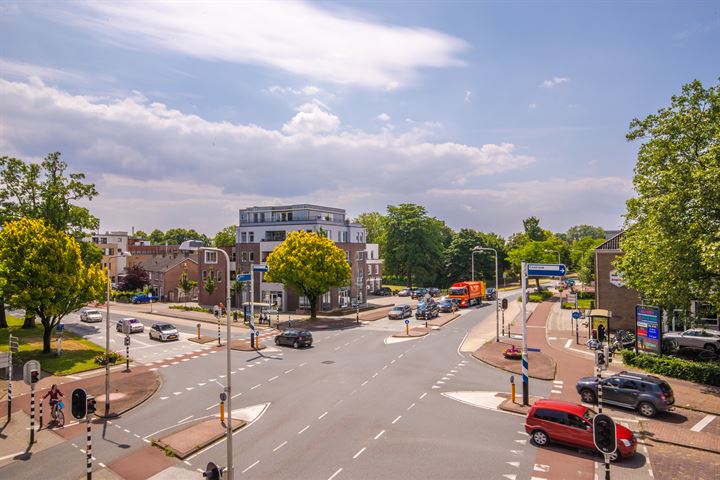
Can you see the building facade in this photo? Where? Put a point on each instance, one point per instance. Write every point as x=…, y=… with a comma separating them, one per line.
x=261, y=229
x=113, y=244
x=610, y=291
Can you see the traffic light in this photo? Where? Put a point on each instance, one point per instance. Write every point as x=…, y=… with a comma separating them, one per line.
x=79, y=403
x=608, y=358
x=604, y=433
x=504, y=303
x=213, y=472
x=90, y=405
x=34, y=376
x=600, y=359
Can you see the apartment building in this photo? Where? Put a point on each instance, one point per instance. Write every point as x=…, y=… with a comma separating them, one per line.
x=112, y=245
x=374, y=264
x=261, y=229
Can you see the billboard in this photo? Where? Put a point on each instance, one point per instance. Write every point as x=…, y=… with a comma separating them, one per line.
x=648, y=329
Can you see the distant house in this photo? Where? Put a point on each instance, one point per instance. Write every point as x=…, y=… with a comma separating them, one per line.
x=165, y=273
x=610, y=291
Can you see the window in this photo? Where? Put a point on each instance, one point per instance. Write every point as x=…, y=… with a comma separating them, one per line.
x=111, y=251
x=233, y=256
x=369, y=269
x=243, y=256
x=211, y=256
x=275, y=235
x=577, y=422
x=551, y=416
x=377, y=269
x=103, y=241
x=252, y=256
x=630, y=385
x=204, y=275
x=243, y=237
x=251, y=237
x=304, y=302
x=219, y=276
x=347, y=255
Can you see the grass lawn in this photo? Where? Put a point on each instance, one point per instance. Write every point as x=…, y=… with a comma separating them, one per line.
x=583, y=304
x=78, y=354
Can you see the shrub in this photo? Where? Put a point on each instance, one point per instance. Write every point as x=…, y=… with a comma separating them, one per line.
x=190, y=309
x=700, y=372
x=112, y=356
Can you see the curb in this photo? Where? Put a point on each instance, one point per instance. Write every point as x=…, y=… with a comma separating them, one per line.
x=516, y=373
x=147, y=397
x=646, y=437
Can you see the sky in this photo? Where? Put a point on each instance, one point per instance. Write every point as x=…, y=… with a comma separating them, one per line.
x=485, y=113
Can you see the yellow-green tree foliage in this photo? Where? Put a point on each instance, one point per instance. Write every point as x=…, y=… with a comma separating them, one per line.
x=42, y=272
x=309, y=264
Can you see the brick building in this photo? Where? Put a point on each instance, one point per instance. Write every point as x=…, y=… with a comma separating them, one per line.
x=610, y=292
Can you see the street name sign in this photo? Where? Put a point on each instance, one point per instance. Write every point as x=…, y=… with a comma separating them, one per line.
x=260, y=268
x=4, y=360
x=546, y=270
x=13, y=344
x=244, y=277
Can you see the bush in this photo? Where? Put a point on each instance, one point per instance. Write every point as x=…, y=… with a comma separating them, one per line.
x=190, y=309
x=114, y=357
x=586, y=295
x=706, y=372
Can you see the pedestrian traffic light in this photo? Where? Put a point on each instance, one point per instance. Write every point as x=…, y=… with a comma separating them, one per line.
x=213, y=472
x=504, y=303
x=600, y=359
x=79, y=403
x=34, y=376
x=91, y=405
x=604, y=433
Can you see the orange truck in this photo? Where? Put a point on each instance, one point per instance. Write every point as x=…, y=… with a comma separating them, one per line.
x=467, y=293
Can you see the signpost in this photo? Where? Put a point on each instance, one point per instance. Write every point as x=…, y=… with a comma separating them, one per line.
x=545, y=269
x=13, y=341
x=576, y=317
x=648, y=331
x=407, y=327
x=261, y=268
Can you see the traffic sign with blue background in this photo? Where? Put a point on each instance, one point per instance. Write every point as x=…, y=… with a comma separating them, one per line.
x=260, y=268
x=244, y=277
x=546, y=269
x=576, y=314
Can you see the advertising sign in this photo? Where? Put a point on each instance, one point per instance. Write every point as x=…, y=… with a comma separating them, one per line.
x=600, y=326
x=648, y=331
x=616, y=279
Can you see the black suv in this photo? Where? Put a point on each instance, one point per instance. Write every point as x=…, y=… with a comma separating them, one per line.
x=427, y=309
x=294, y=337
x=645, y=393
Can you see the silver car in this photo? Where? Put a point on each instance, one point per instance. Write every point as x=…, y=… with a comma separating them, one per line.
x=164, y=332
x=695, y=338
x=90, y=315
x=400, y=312
x=134, y=325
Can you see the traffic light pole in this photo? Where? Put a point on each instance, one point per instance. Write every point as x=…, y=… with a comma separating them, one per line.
x=89, y=446
x=32, y=413
x=525, y=381
x=607, y=466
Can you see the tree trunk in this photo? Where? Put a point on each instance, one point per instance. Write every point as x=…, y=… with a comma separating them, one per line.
x=29, y=320
x=3, y=319
x=47, y=337
x=537, y=284
x=313, y=307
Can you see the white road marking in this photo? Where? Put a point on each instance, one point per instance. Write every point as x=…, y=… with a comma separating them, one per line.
x=338, y=348
x=401, y=355
x=251, y=466
x=558, y=382
x=440, y=382
x=189, y=388
x=273, y=378
x=288, y=371
x=422, y=396
x=703, y=423
x=301, y=431
x=384, y=367
x=453, y=371
x=379, y=434
x=411, y=405
x=256, y=386
x=304, y=363
x=186, y=418
x=445, y=378
x=126, y=430
x=164, y=398
x=164, y=366
x=514, y=464
x=280, y=446
x=393, y=361
x=321, y=416
x=398, y=418
x=375, y=375
x=177, y=393
x=555, y=391
x=521, y=442
x=568, y=343
x=539, y=467
x=241, y=369
x=364, y=383
x=212, y=379
x=358, y=453
x=335, y=474
x=236, y=395
x=212, y=406
x=201, y=384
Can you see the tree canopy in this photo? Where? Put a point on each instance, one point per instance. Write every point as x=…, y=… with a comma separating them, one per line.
x=458, y=261
x=175, y=236
x=310, y=264
x=135, y=278
x=225, y=237
x=375, y=225
x=42, y=272
x=671, y=242
x=579, y=232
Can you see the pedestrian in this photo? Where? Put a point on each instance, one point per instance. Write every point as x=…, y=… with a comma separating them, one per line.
x=235, y=316
x=601, y=333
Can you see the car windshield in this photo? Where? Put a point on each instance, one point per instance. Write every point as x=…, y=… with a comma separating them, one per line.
x=397, y=309
x=589, y=415
x=92, y=312
x=457, y=291
x=167, y=326
x=133, y=320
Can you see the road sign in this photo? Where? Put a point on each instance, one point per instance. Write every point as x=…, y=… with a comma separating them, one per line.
x=60, y=327
x=29, y=369
x=13, y=344
x=576, y=315
x=4, y=360
x=407, y=321
x=533, y=349
x=260, y=268
x=546, y=269
x=244, y=277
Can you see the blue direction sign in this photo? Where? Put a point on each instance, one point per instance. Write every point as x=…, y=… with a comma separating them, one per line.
x=546, y=270
x=260, y=268
x=576, y=315
x=244, y=277
x=407, y=322
x=533, y=349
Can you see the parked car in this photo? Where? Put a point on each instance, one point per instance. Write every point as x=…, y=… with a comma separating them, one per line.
x=135, y=325
x=571, y=424
x=448, y=305
x=144, y=298
x=434, y=291
x=645, y=393
x=419, y=292
x=382, y=292
x=164, y=332
x=295, y=338
x=399, y=312
x=405, y=292
x=490, y=294
x=427, y=309
x=90, y=315
x=695, y=338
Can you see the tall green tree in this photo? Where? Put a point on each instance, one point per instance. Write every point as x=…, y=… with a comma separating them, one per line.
x=46, y=191
x=582, y=231
x=458, y=257
x=414, y=242
x=375, y=225
x=157, y=237
x=537, y=252
x=225, y=237
x=671, y=242
x=582, y=257
x=310, y=264
x=209, y=284
x=186, y=285
x=533, y=230
x=141, y=234
x=42, y=272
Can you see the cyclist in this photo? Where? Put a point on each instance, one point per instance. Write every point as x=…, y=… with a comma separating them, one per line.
x=54, y=395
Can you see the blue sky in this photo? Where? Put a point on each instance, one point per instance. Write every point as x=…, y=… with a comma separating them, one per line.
x=484, y=112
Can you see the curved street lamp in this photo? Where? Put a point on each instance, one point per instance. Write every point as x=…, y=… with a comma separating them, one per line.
x=497, y=293
x=107, y=333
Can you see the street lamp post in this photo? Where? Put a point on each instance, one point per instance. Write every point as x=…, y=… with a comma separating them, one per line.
x=107, y=334
x=497, y=293
x=472, y=262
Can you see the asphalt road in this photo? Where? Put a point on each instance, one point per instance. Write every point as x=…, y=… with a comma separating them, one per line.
x=352, y=406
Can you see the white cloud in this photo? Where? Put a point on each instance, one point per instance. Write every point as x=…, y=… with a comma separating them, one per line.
x=554, y=82
x=296, y=37
x=309, y=90
x=383, y=117
x=468, y=94
x=171, y=158
x=532, y=105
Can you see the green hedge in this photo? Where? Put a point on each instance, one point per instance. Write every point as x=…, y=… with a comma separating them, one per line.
x=191, y=309
x=701, y=372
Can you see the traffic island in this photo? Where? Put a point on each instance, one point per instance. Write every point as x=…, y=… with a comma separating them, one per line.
x=541, y=365
x=195, y=436
x=128, y=390
x=413, y=332
x=203, y=339
x=516, y=407
x=245, y=346
x=443, y=320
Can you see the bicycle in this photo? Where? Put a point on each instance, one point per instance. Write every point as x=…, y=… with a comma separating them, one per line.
x=57, y=415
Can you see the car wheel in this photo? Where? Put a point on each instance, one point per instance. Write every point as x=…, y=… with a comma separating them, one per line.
x=615, y=456
x=277, y=341
x=587, y=396
x=647, y=409
x=540, y=438
x=296, y=344
x=710, y=348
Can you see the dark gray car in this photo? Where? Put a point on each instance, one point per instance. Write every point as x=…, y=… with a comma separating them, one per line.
x=645, y=393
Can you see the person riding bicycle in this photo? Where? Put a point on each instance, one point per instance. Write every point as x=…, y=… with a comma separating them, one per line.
x=54, y=395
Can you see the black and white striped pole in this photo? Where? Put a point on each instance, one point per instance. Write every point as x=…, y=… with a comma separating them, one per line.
x=31, y=375
x=32, y=413
x=89, y=448
x=40, y=423
x=127, y=352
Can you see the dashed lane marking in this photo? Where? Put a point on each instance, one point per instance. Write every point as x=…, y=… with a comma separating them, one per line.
x=251, y=466
x=301, y=431
x=411, y=406
x=358, y=453
x=379, y=434
x=398, y=418
x=703, y=423
x=364, y=383
x=321, y=416
x=335, y=474
x=256, y=386
x=280, y=446
x=273, y=378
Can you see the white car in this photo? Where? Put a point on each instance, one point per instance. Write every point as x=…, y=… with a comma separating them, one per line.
x=90, y=315
x=164, y=332
x=134, y=323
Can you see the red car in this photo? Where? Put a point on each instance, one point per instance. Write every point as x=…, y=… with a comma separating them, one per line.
x=571, y=424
